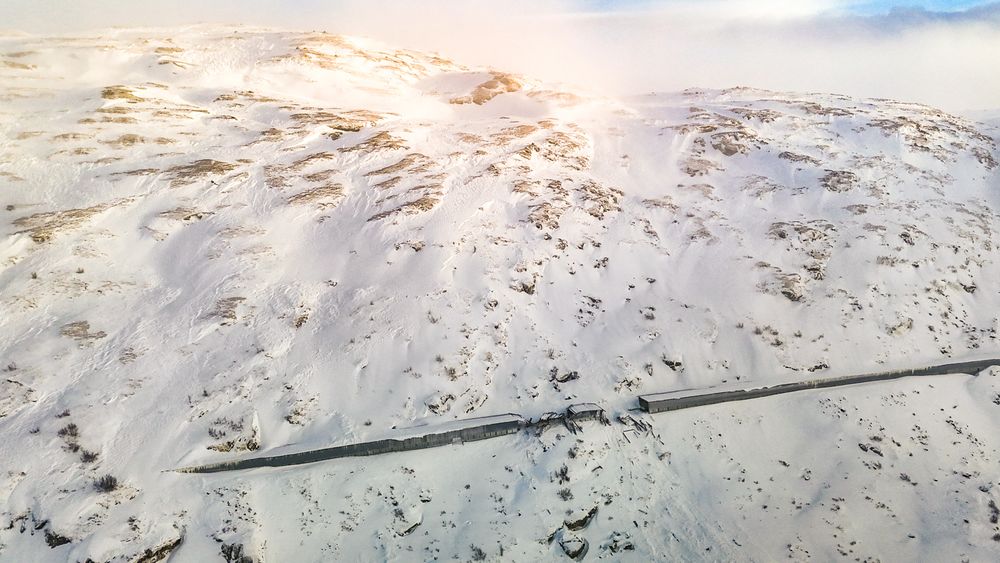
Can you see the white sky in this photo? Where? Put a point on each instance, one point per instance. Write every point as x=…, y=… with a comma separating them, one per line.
x=945, y=60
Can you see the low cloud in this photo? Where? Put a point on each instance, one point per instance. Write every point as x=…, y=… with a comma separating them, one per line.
x=942, y=59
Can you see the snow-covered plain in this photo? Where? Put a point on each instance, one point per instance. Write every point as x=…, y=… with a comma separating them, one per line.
x=220, y=242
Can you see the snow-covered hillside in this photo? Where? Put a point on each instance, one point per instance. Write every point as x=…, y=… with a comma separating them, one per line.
x=218, y=241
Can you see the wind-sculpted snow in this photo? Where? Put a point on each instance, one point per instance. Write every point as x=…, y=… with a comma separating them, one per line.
x=222, y=240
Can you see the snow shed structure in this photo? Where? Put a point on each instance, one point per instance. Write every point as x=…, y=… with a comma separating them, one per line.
x=685, y=398
x=455, y=432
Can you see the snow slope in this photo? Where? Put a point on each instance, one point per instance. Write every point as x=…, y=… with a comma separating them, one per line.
x=219, y=241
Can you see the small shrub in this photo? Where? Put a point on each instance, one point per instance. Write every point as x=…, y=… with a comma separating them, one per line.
x=477, y=554
x=233, y=553
x=235, y=426
x=55, y=539
x=87, y=456
x=70, y=430
x=565, y=494
x=106, y=484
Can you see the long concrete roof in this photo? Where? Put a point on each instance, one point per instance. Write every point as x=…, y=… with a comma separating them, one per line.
x=972, y=367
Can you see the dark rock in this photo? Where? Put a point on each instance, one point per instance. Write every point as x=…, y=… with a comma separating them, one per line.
x=574, y=547
x=619, y=542
x=583, y=522
x=159, y=553
x=55, y=539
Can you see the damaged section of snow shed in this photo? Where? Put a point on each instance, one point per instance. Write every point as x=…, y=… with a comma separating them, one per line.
x=586, y=411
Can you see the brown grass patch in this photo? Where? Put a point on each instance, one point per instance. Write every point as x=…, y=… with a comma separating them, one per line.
x=561, y=98
x=526, y=186
x=694, y=166
x=415, y=162
x=119, y=92
x=114, y=109
x=425, y=203
x=273, y=177
x=380, y=141
x=545, y=215
x=818, y=109
x=178, y=112
x=602, y=199
x=249, y=95
x=839, y=180
x=138, y=172
x=106, y=119
x=321, y=176
x=795, y=157
x=348, y=121
x=17, y=65
x=43, y=226
x=77, y=151
x=80, y=331
x=189, y=173
x=70, y=137
x=470, y=138
x=500, y=83
x=185, y=214
x=126, y=141
x=391, y=182
x=237, y=232
x=515, y=132
x=308, y=160
x=325, y=196
x=324, y=38
x=175, y=62
x=665, y=202
x=106, y=160
x=271, y=135
x=226, y=308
